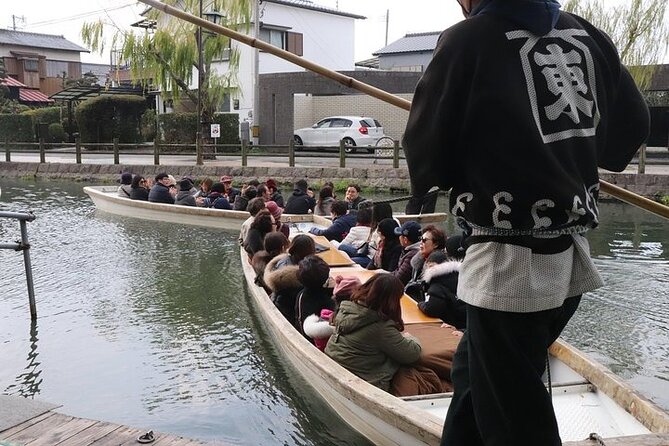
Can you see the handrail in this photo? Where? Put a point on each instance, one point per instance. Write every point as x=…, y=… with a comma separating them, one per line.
x=628, y=197
x=23, y=245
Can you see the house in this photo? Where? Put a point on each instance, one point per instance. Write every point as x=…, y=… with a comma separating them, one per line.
x=412, y=52
x=39, y=61
x=24, y=94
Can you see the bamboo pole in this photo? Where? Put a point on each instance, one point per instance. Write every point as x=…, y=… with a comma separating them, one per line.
x=615, y=191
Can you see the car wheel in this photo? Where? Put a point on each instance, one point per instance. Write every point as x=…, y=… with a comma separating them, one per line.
x=297, y=142
x=349, y=145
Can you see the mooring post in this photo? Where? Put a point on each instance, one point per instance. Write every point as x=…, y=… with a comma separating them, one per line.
x=42, y=153
x=291, y=152
x=115, y=148
x=77, y=150
x=244, y=155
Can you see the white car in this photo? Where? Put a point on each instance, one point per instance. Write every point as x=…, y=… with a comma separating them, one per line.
x=356, y=131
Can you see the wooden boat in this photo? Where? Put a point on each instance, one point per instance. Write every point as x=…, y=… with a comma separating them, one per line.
x=106, y=199
x=587, y=397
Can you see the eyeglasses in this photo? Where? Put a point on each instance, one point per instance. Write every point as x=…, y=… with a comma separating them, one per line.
x=425, y=239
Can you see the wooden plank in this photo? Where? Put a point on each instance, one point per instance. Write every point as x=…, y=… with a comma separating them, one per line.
x=332, y=256
x=635, y=440
x=123, y=436
x=94, y=432
x=38, y=430
x=26, y=424
x=62, y=433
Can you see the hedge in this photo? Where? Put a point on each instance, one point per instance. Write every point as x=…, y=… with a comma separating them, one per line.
x=180, y=128
x=107, y=117
x=47, y=115
x=16, y=128
x=56, y=132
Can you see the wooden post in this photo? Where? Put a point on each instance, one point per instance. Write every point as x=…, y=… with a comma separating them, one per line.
x=198, y=148
x=156, y=152
x=42, y=153
x=342, y=153
x=244, y=150
x=77, y=150
x=291, y=152
x=642, y=159
x=396, y=154
x=116, y=157
x=8, y=152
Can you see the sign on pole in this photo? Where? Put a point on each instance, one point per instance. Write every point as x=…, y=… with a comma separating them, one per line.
x=215, y=130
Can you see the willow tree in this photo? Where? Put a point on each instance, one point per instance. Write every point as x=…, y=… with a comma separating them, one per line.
x=639, y=29
x=166, y=52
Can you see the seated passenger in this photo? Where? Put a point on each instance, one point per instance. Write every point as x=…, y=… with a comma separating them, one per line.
x=276, y=212
x=274, y=192
x=300, y=202
x=162, y=191
x=319, y=328
x=281, y=275
x=125, y=188
x=185, y=195
x=353, y=198
x=216, y=198
x=242, y=201
x=230, y=193
x=344, y=288
x=205, y=188
x=341, y=223
x=313, y=273
x=263, y=224
x=388, y=249
x=324, y=202
x=139, y=189
x=368, y=339
x=256, y=205
x=356, y=242
x=432, y=239
x=275, y=243
x=409, y=234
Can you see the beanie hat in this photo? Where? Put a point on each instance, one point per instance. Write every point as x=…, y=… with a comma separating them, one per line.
x=271, y=183
x=126, y=178
x=274, y=209
x=344, y=287
x=455, y=247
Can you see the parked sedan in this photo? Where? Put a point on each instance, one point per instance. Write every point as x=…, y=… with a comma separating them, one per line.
x=356, y=131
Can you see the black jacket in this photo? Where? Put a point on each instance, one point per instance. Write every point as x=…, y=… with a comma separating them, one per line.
x=160, y=194
x=139, y=193
x=299, y=203
x=441, y=300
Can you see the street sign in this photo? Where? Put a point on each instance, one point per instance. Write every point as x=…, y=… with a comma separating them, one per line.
x=216, y=130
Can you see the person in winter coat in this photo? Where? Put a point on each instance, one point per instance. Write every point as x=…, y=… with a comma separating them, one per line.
x=216, y=198
x=356, y=242
x=313, y=273
x=162, y=191
x=432, y=240
x=324, y=203
x=368, y=339
x=125, y=188
x=263, y=224
x=242, y=201
x=185, y=195
x=256, y=205
x=281, y=275
x=353, y=198
x=275, y=244
x=518, y=109
x=274, y=192
x=441, y=286
x=409, y=236
x=388, y=249
x=138, y=189
x=300, y=202
x=341, y=223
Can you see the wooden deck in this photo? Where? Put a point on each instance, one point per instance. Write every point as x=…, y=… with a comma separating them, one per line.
x=56, y=429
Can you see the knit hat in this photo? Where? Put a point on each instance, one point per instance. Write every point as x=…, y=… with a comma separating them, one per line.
x=455, y=247
x=274, y=209
x=270, y=183
x=185, y=184
x=344, y=287
x=126, y=178
x=410, y=230
x=226, y=179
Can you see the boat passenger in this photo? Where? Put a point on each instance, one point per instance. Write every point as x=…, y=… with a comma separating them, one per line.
x=205, y=188
x=300, y=202
x=263, y=192
x=255, y=206
x=368, y=339
x=344, y=288
x=274, y=193
x=230, y=193
x=216, y=198
x=275, y=243
x=356, y=242
x=409, y=236
x=263, y=224
x=162, y=191
x=276, y=212
x=281, y=275
x=185, y=195
x=324, y=202
x=432, y=239
x=389, y=249
x=126, y=185
x=342, y=222
x=242, y=201
x=313, y=273
x=353, y=198
x=319, y=328
x=139, y=189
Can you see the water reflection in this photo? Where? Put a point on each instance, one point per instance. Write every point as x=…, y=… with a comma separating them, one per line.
x=27, y=384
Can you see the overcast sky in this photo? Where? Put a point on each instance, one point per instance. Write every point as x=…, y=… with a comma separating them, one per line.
x=65, y=17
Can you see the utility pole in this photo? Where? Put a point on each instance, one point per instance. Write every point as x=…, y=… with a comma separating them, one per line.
x=255, y=130
x=387, y=21
x=21, y=18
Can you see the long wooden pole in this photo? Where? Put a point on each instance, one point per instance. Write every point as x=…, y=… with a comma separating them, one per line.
x=615, y=191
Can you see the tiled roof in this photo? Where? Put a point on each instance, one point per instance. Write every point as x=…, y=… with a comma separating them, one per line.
x=307, y=4
x=412, y=43
x=28, y=95
x=35, y=40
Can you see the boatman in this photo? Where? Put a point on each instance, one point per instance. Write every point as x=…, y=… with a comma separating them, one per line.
x=518, y=108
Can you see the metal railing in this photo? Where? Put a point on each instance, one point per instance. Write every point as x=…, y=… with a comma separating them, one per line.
x=23, y=245
x=199, y=151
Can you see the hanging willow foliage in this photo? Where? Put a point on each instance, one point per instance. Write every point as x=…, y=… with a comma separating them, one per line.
x=639, y=29
x=167, y=55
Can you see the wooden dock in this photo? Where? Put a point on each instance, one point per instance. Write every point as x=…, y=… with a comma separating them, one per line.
x=56, y=429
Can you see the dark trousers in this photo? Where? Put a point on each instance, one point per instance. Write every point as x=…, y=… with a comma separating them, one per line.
x=500, y=398
x=422, y=205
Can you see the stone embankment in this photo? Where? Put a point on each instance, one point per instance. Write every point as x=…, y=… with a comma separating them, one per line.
x=649, y=185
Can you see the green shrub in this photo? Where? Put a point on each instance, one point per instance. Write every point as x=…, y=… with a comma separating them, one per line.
x=56, y=132
x=107, y=117
x=16, y=128
x=148, y=128
x=47, y=115
x=180, y=128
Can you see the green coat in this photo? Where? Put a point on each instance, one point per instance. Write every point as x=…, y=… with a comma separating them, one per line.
x=371, y=348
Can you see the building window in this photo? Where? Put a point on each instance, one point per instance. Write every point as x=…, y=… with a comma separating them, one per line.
x=273, y=37
x=31, y=65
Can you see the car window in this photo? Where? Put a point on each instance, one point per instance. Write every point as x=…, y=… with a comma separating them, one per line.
x=367, y=123
x=341, y=123
x=325, y=123
x=378, y=124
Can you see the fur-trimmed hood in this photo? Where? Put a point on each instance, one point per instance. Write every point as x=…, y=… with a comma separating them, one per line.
x=282, y=278
x=316, y=328
x=452, y=266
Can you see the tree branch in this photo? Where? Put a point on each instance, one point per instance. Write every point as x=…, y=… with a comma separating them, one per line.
x=180, y=82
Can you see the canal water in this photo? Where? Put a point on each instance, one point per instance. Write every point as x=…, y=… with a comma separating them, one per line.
x=150, y=325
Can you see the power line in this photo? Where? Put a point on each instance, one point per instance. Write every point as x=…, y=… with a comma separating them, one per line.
x=76, y=16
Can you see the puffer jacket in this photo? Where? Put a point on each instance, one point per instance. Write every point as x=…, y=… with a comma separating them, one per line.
x=281, y=277
x=369, y=347
x=404, y=269
x=441, y=300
